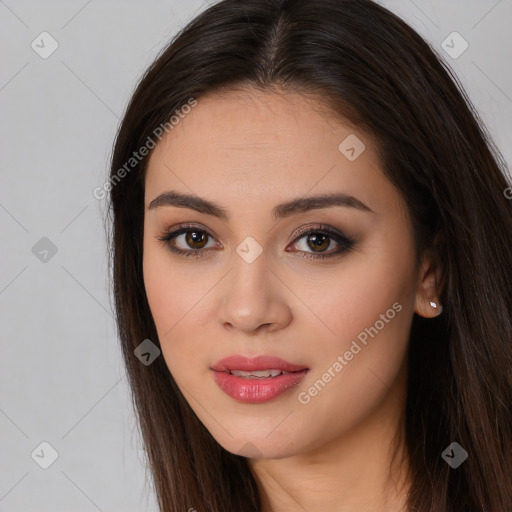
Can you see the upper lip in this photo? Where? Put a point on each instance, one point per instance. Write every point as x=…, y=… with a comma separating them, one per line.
x=263, y=362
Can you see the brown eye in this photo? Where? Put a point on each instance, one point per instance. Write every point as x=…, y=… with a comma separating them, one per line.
x=187, y=241
x=313, y=243
x=318, y=242
x=196, y=239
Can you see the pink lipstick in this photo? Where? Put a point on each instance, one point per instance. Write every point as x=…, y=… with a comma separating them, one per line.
x=256, y=380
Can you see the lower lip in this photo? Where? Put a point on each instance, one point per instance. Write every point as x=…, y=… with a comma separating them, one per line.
x=257, y=391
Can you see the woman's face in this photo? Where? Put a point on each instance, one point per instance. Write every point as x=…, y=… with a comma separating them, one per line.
x=258, y=284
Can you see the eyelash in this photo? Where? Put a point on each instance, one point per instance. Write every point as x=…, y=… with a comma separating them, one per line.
x=344, y=241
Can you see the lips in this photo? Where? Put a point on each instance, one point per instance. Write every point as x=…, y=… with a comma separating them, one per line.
x=256, y=380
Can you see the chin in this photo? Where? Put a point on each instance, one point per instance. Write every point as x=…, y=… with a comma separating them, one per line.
x=255, y=445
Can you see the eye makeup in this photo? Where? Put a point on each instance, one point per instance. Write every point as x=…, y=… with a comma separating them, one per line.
x=317, y=235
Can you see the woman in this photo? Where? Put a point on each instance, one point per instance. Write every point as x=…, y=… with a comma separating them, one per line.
x=311, y=226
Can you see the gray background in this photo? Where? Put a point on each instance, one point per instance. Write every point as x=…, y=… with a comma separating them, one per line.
x=61, y=375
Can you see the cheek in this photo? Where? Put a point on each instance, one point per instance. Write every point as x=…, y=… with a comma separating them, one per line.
x=175, y=294
x=351, y=297
x=364, y=310
x=356, y=372
x=160, y=290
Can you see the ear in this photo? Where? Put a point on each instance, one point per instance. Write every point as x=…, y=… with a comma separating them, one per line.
x=427, y=293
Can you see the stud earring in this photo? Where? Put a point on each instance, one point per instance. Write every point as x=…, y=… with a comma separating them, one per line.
x=434, y=305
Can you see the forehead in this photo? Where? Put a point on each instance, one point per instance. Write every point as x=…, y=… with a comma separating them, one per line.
x=263, y=144
x=252, y=123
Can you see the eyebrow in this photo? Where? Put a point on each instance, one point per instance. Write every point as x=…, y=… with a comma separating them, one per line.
x=298, y=205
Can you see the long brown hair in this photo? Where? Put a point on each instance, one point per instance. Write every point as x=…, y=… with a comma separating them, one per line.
x=371, y=68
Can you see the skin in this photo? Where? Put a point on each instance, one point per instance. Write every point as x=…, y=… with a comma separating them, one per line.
x=249, y=151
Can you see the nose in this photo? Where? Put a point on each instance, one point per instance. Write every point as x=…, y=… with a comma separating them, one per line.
x=254, y=298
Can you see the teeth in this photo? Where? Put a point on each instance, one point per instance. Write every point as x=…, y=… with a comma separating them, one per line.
x=261, y=374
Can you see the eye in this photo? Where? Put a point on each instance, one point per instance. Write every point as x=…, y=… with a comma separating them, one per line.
x=190, y=241
x=320, y=238
x=186, y=241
